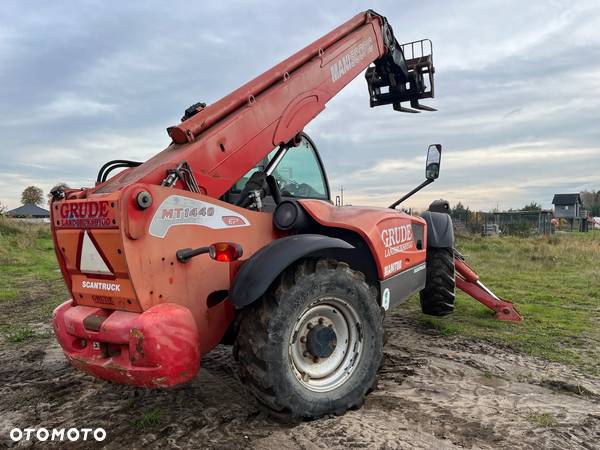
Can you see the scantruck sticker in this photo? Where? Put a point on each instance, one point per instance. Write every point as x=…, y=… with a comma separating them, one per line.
x=114, y=287
x=179, y=210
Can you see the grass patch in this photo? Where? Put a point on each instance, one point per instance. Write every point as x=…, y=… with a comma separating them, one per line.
x=31, y=285
x=19, y=334
x=555, y=283
x=149, y=420
x=543, y=419
x=8, y=294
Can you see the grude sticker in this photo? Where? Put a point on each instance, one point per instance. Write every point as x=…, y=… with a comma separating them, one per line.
x=397, y=239
x=356, y=54
x=103, y=300
x=179, y=210
x=89, y=214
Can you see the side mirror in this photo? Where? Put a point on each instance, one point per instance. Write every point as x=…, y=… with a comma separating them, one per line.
x=434, y=158
x=432, y=171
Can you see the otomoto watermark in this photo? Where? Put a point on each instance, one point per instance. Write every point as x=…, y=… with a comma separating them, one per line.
x=58, y=434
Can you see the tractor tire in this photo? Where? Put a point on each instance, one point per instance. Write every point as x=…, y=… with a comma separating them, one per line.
x=437, y=298
x=313, y=344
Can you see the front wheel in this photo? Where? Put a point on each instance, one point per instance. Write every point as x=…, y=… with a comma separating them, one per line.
x=312, y=345
x=437, y=299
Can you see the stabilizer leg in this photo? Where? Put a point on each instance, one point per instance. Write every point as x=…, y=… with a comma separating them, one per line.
x=468, y=281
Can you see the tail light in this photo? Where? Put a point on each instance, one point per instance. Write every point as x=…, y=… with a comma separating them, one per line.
x=225, y=251
x=219, y=251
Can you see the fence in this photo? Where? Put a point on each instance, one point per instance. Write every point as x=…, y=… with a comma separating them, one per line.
x=523, y=223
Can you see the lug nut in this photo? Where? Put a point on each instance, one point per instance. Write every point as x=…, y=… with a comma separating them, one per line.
x=315, y=360
x=321, y=321
x=309, y=325
x=303, y=339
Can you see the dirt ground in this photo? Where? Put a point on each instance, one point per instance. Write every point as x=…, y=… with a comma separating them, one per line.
x=434, y=392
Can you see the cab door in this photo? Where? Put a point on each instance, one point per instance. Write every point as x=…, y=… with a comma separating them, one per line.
x=299, y=172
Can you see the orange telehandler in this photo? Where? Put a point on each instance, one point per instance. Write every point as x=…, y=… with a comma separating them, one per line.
x=229, y=235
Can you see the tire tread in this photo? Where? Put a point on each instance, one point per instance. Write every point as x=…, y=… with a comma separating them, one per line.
x=250, y=347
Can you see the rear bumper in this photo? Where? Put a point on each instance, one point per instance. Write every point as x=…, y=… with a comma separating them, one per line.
x=157, y=348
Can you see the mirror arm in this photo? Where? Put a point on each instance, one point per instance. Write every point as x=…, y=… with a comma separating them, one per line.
x=411, y=193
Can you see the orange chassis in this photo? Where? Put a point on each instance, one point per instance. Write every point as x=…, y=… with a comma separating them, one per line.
x=147, y=320
x=141, y=315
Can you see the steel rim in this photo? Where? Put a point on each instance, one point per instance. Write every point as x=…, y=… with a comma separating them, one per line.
x=326, y=374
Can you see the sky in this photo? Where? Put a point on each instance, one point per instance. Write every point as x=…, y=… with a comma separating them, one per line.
x=517, y=92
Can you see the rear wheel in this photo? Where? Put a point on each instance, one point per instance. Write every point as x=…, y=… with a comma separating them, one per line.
x=437, y=298
x=313, y=344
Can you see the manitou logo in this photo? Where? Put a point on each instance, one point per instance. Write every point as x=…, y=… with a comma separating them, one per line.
x=397, y=239
x=351, y=59
x=392, y=268
x=92, y=214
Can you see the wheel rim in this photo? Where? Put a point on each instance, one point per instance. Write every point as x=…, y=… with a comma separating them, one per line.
x=326, y=344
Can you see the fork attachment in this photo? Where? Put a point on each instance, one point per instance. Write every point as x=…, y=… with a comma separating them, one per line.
x=395, y=79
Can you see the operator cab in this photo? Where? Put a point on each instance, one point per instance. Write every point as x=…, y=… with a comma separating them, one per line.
x=296, y=172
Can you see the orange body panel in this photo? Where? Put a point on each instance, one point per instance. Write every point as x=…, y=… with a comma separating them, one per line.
x=137, y=312
x=136, y=271
x=139, y=251
x=389, y=233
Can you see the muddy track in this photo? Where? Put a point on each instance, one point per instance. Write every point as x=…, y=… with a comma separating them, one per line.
x=434, y=392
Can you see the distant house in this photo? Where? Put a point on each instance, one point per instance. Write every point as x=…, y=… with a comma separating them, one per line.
x=567, y=206
x=29, y=211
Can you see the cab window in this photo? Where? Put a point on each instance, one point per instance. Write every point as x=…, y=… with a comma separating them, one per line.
x=299, y=173
x=261, y=166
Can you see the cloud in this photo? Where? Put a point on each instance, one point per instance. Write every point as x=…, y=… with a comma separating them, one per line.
x=67, y=106
x=517, y=92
